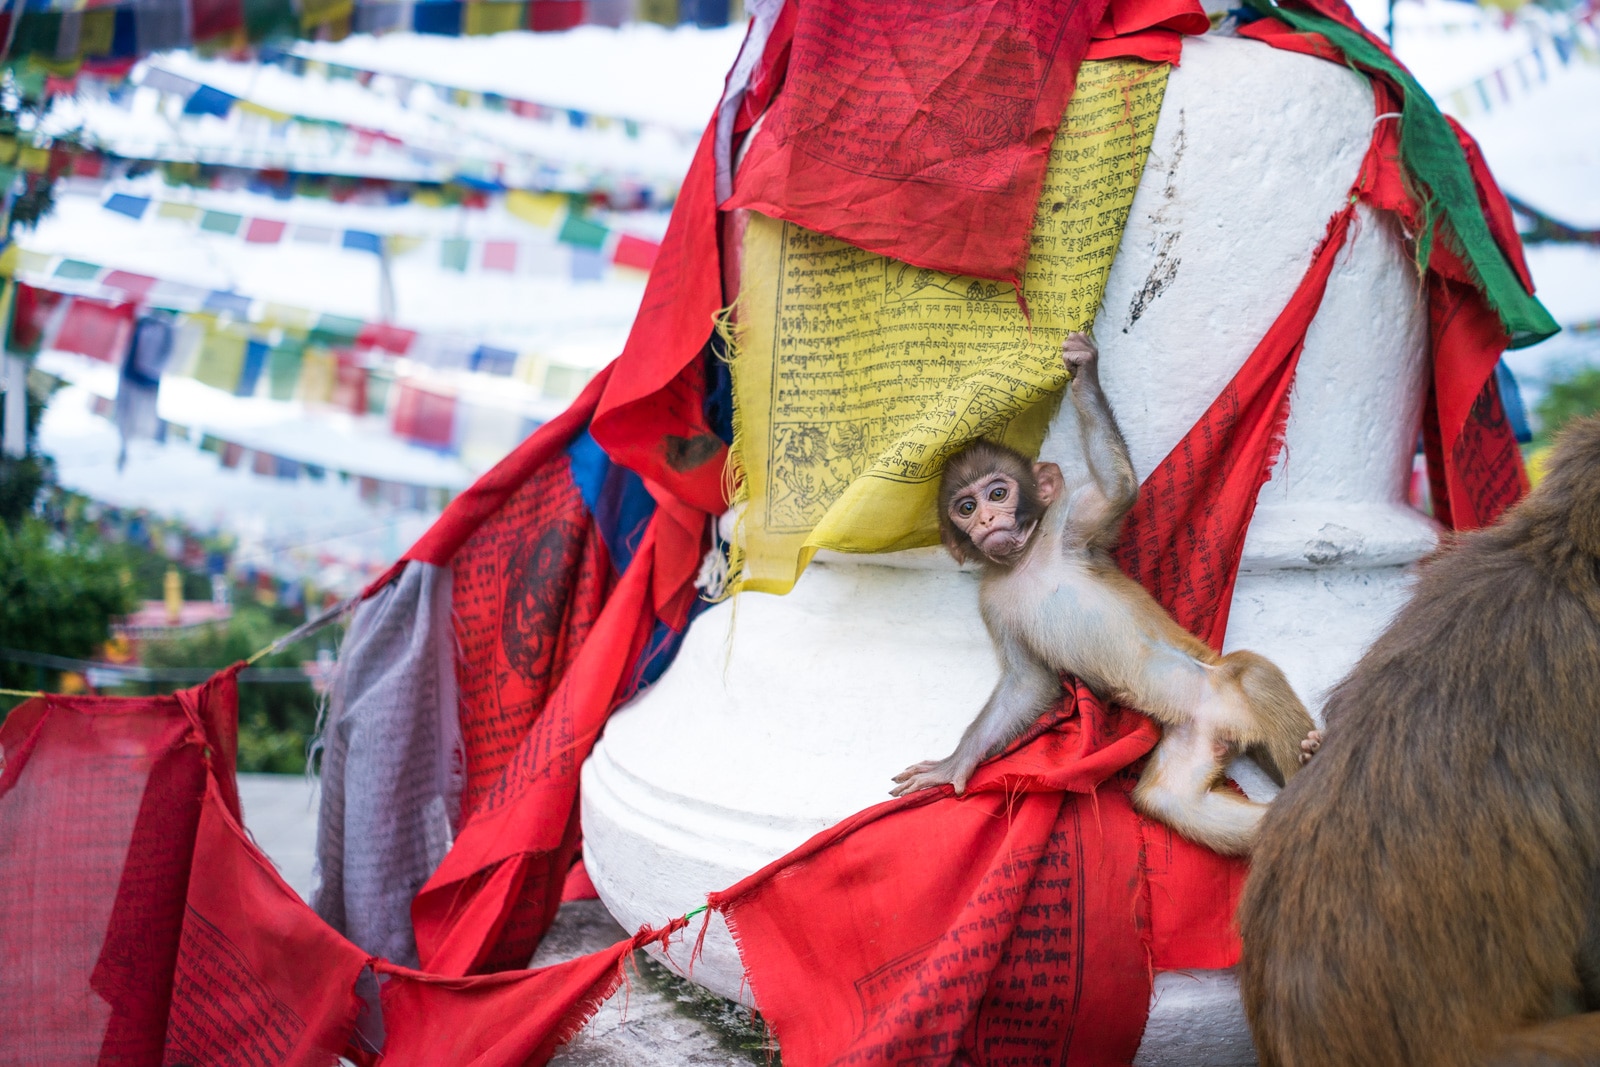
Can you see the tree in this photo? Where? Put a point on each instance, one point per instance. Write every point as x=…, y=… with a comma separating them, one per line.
x=58, y=595
x=1568, y=399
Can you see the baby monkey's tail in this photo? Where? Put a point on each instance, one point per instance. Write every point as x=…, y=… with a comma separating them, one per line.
x=1279, y=720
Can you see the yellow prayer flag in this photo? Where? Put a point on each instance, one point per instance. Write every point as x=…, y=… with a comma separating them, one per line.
x=399, y=244
x=540, y=209
x=855, y=376
x=250, y=108
x=428, y=198
x=291, y=320
x=318, y=375
x=492, y=16
x=171, y=209
x=221, y=358
x=34, y=160
x=529, y=368
x=31, y=262
x=11, y=261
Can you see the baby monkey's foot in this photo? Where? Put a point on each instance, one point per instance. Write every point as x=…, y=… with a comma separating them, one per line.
x=1309, y=746
x=931, y=773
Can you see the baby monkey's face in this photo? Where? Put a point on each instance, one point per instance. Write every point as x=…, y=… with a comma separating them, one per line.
x=986, y=511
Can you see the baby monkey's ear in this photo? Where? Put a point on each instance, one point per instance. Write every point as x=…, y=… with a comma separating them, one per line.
x=955, y=543
x=1047, y=476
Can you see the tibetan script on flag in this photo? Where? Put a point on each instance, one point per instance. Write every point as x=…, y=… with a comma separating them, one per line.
x=856, y=375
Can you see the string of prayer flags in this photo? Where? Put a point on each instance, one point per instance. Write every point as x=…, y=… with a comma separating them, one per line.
x=593, y=248
x=62, y=36
x=1497, y=88
x=55, y=158
x=524, y=166
x=401, y=87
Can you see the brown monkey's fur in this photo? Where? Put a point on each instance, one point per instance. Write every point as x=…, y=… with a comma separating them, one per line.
x=1426, y=892
x=1053, y=600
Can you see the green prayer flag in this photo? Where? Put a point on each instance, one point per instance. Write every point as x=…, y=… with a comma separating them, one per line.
x=335, y=331
x=220, y=222
x=582, y=233
x=454, y=253
x=1437, y=165
x=283, y=369
x=77, y=270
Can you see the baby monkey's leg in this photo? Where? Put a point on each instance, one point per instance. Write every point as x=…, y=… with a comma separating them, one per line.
x=1182, y=787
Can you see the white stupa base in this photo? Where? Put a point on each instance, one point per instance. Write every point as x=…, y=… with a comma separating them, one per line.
x=783, y=715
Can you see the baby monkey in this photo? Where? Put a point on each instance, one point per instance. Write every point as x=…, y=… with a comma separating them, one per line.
x=1054, y=601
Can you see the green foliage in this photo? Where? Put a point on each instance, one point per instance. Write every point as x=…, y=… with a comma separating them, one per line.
x=58, y=595
x=21, y=477
x=1568, y=399
x=276, y=719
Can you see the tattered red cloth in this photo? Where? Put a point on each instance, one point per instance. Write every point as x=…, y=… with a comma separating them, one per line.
x=1020, y=923
x=919, y=129
x=144, y=927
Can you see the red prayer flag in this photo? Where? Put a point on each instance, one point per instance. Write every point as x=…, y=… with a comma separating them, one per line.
x=383, y=336
x=264, y=231
x=31, y=316
x=96, y=328
x=425, y=417
x=920, y=131
x=547, y=15
x=134, y=286
x=500, y=255
x=635, y=252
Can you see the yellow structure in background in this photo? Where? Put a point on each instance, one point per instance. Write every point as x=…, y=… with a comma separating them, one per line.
x=855, y=376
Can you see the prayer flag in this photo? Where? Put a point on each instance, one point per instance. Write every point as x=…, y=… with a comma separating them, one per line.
x=96, y=328
x=635, y=252
x=500, y=255
x=424, y=417
x=235, y=304
x=255, y=361
x=134, y=286
x=582, y=232
x=220, y=222
x=132, y=206
x=540, y=209
x=209, y=101
x=77, y=270
x=265, y=231
x=283, y=369
x=168, y=209
x=487, y=360
x=361, y=241
x=385, y=337
x=221, y=359
x=336, y=331
x=453, y=253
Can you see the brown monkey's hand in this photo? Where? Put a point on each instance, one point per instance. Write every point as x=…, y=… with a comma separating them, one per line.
x=1309, y=746
x=930, y=773
x=1079, y=353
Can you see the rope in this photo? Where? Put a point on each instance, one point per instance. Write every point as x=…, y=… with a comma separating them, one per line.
x=22, y=693
x=306, y=629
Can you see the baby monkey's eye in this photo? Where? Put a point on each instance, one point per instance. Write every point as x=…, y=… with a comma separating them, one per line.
x=966, y=507
x=997, y=493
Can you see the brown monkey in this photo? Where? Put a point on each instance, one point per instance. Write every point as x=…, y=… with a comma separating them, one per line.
x=1427, y=891
x=1054, y=600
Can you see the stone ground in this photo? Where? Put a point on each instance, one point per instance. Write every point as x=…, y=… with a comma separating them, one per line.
x=655, y=1020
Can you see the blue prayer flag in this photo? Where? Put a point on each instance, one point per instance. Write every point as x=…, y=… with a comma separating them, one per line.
x=132, y=206
x=209, y=101
x=361, y=241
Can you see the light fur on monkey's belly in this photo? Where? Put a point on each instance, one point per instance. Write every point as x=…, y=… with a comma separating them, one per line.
x=1078, y=625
